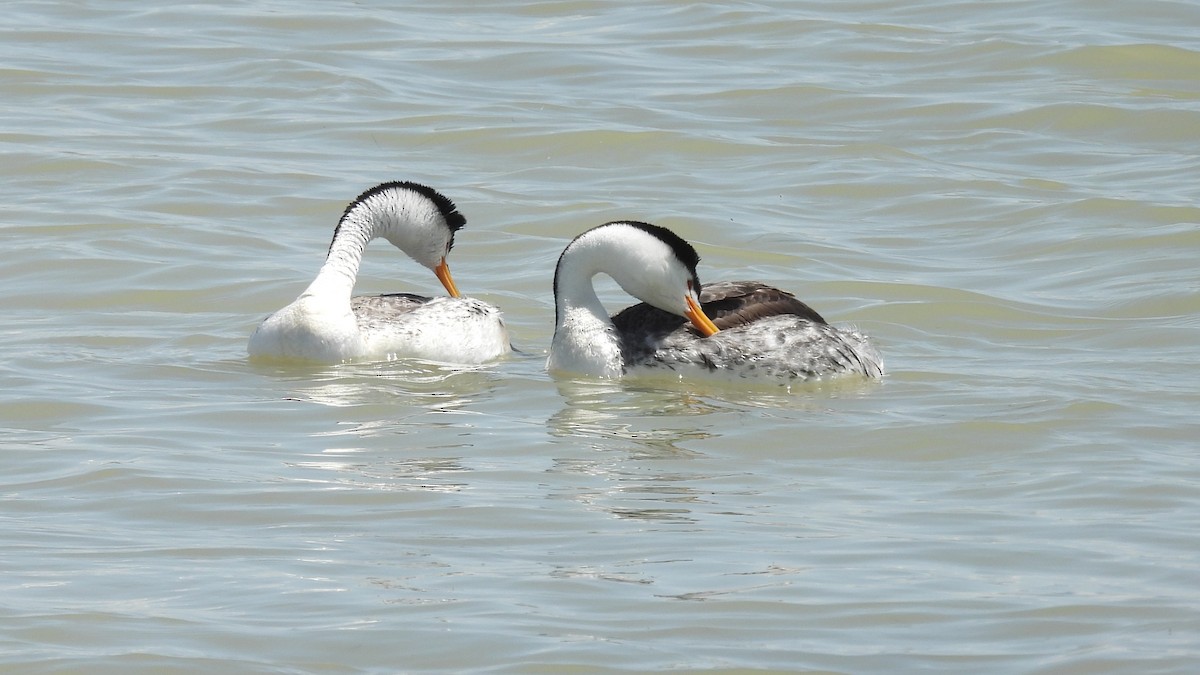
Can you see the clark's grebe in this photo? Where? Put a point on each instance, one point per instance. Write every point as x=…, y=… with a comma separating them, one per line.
x=326, y=324
x=738, y=329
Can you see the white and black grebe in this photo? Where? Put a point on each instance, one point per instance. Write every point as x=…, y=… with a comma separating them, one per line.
x=326, y=324
x=738, y=330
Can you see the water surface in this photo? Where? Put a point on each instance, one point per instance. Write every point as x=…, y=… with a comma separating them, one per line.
x=1003, y=194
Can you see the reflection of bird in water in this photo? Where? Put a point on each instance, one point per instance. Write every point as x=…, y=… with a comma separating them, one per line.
x=654, y=420
x=742, y=331
x=326, y=324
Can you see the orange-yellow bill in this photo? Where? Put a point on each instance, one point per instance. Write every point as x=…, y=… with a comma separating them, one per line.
x=443, y=274
x=699, y=319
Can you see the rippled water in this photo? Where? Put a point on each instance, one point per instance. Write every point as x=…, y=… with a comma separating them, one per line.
x=1004, y=194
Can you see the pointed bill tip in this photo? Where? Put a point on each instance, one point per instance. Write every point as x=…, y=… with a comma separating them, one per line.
x=699, y=319
x=443, y=274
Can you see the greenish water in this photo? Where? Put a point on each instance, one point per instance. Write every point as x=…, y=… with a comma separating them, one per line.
x=1003, y=194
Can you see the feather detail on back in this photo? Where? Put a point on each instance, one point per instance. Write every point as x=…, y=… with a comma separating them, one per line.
x=728, y=303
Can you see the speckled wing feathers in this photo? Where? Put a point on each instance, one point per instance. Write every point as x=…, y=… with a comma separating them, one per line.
x=378, y=312
x=764, y=332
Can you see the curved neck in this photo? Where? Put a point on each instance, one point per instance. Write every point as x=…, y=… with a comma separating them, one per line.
x=338, y=273
x=585, y=339
x=573, y=288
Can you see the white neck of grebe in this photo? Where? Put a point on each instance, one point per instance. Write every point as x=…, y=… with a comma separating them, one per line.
x=649, y=262
x=337, y=275
x=410, y=221
x=585, y=339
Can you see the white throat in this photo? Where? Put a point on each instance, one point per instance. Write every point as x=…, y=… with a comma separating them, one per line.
x=585, y=339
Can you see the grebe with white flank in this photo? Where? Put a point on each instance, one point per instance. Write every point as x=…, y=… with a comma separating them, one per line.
x=326, y=324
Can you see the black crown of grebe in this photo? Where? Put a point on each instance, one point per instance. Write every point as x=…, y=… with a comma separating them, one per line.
x=727, y=330
x=326, y=324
